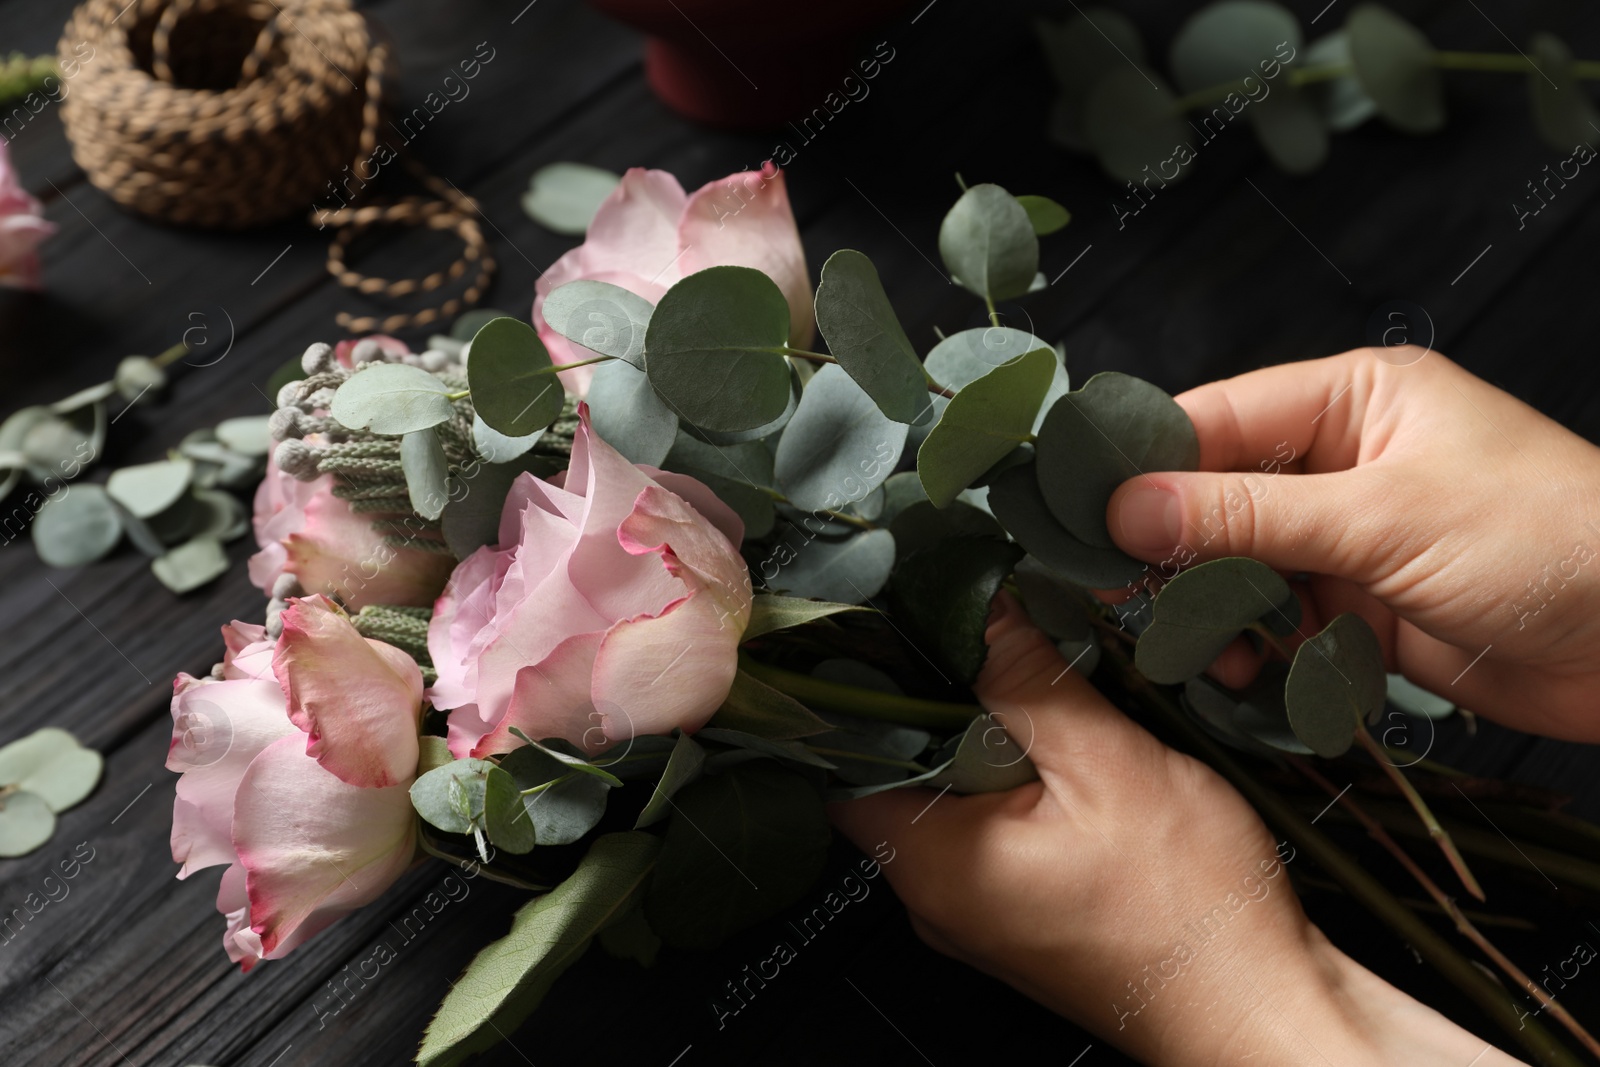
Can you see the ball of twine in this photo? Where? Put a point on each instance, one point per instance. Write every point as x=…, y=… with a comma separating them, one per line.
x=228, y=114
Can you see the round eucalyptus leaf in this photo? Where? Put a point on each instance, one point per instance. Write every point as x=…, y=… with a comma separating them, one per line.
x=469, y=323
x=1097, y=437
x=713, y=350
x=14, y=430
x=983, y=423
x=864, y=335
x=140, y=534
x=1344, y=104
x=1336, y=684
x=1412, y=698
x=191, y=565
x=138, y=375
x=1562, y=111
x=942, y=593
x=1225, y=42
x=51, y=765
x=1019, y=505
x=845, y=572
x=149, y=489
x=629, y=416
x=9, y=477
x=757, y=433
x=563, y=197
x=1132, y=126
x=921, y=525
x=26, y=822
x=1045, y=214
x=246, y=435
x=963, y=358
x=392, y=399
x=1291, y=130
x=1394, y=63
x=1200, y=611
x=604, y=318
x=427, y=471
x=451, y=797
x=93, y=394
x=1080, y=50
x=221, y=515
x=869, y=507
x=62, y=445
x=900, y=491
x=1058, y=607
x=515, y=389
x=748, y=462
x=839, y=446
x=76, y=528
x=987, y=242
x=496, y=447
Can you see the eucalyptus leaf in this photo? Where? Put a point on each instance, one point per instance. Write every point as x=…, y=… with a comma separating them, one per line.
x=507, y=980
x=432, y=751
x=496, y=447
x=1019, y=505
x=570, y=800
x=769, y=612
x=451, y=797
x=987, y=242
x=985, y=758
x=391, y=398
x=78, y=527
x=900, y=491
x=754, y=707
x=604, y=318
x=1344, y=104
x=749, y=462
x=1099, y=436
x=61, y=446
x=922, y=525
x=963, y=358
x=1262, y=715
x=50, y=764
x=1200, y=611
x=865, y=336
x=136, y=376
x=984, y=422
x=741, y=846
x=1132, y=121
x=246, y=435
x=427, y=471
x=1394, y=63
x=1225, y=42
x=849, y=572
x=1081, y=50
x=514, y=385
x=1291, y=129
x=471, y=519
x=191, y=564
x=468, y=323
x=943, y=594
x=505, y=818
x=763, y=432
x=1562, y=111
x=1045, y=214
x=714, y=349
x=1336, y=684
x=1057, y=607
x=84, y=397
x=839, y=446
x=629, y=416
x=563, y=197
x=683, y=766
x=26, y=822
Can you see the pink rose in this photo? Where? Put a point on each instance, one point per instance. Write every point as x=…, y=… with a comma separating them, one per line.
x=613, y=606
x=649, y=233
x=306, y=531
x=22, y=227
x=299, y=782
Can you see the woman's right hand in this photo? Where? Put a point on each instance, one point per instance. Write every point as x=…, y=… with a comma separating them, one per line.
x=1461, y=523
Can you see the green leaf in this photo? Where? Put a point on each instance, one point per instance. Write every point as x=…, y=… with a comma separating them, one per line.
x=1261, y=713
x=984, y=422
x=1336, y=684
x=753, y=707
x=496, y=447
x=741, y=846
x=51, y=765
x=1562, y=111
x=1081, y=50
x=427, y=471
x=392, y=398
x=137, y=376
x=900, y=491
x=1344, y=104
x=985, y=758
x=471, y=519
x=551, y=749
x=563, y=197
x=849, y=572
x=246, y=435
x=451, y=797
x=1291, y=129
x=838, y=447
x=864, y=335
x=507, y=980
x=1225, y=42
x=1415, y=700
x=922, y=525
x=573, y=797
x=1056, y=606
x=1132, y=122
x=1200, y=611
x=78, y=527
x=629, y=416
x=630, y=938
x=713, y=349
x=760, y=433
x=432, y=752
x=791, y=751
x=1394, y=63
x=468, y=323
x=987, y=242
x=942, y=593
x=769, y=612
x=89, y=395
x=191, y=564
x=604, y=318
x=26, y=822
x=505, y=818
x=1045, y=214
x=1098, y=437
x=514, y=386
x=683, y=766
x=1019, y=504
x=962, y=358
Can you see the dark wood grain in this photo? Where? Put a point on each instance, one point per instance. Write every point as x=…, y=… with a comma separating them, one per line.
x=1220, y=274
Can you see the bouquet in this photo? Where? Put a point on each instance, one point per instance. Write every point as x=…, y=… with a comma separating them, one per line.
x=608, y=605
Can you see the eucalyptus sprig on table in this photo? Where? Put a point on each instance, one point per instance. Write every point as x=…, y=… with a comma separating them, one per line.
x=1249, y=57
x=1008, y=474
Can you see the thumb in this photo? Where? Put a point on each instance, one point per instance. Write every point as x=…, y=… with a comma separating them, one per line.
x=1291, y=522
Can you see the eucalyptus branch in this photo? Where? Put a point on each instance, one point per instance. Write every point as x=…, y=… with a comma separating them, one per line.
x=839, y=516
x=1439, y=834
x=819, y=357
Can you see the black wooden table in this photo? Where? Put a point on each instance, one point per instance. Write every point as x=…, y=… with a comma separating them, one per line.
x=1235, y=268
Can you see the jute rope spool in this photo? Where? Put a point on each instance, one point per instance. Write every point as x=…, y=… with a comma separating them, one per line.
x=234, y=113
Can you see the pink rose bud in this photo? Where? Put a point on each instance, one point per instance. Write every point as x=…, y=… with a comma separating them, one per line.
x=22, y=227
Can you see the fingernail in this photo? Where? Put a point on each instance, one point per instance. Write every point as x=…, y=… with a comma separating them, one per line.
x=1149, y=521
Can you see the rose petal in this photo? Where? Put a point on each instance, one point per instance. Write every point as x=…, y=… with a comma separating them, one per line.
x=550, y=699
x=663, y=523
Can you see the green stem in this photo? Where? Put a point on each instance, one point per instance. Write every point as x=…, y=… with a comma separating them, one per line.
x=853, y=520
x=171, y=355
x=862, y=757
x=1446, y=844
x=823, y=695
x=1366, y=890
x=994, y=316
x=1326, y=72
x=1496, y=61
x=801, y=353
x=484, y=869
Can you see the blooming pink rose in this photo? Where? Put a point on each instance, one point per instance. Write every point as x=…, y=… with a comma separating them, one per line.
x=22, y=227
x=649, y=233
x=613, y=606
x=300, y=783
x=306, y=531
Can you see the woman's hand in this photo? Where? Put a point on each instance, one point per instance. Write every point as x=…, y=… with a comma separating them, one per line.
x=1458, y=521
x=1132, y=890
